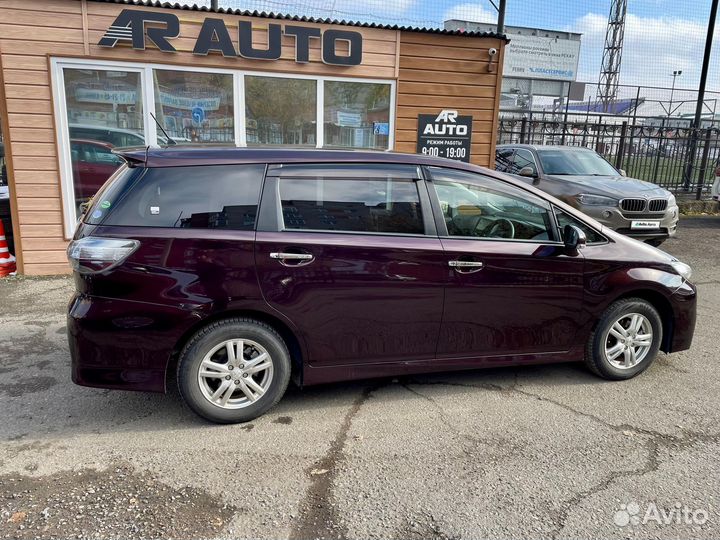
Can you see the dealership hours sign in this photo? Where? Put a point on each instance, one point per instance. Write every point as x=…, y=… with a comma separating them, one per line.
x=445, y=135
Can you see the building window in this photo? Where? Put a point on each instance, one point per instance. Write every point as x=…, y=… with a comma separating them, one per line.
x=357, y=115
x=280, y=111
x=104, y=105
x=104, y=111
x=194, y=108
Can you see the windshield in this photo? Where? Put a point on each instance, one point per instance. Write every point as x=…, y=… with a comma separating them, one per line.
x=576, y=161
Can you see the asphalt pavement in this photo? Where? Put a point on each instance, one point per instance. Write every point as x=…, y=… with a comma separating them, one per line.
x=533, y=452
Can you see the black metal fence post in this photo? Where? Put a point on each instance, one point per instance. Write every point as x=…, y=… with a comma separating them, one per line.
x=523, y=130
x=659, y=151
x=621, y=145
x=703, y=164
x=600, y=148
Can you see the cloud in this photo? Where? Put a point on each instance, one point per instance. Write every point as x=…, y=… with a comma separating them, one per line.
x=653, y=48
x=471, y=12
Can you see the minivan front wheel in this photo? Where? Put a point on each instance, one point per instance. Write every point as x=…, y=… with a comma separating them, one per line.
x=626, y=340
x=233, y=370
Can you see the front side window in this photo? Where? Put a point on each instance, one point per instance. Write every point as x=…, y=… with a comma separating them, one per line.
x=280, y=111
x=383, y=205
x=357, y=115
x=523, y=158
x=198, y=197
x=503, y=159
x=194, y=108
x=481, y=207
x=566, y=219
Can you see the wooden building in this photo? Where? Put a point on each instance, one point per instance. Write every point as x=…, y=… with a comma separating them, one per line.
x=78, y=77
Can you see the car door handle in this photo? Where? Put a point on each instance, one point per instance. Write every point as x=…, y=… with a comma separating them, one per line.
x=466, y=267
x=293, y=259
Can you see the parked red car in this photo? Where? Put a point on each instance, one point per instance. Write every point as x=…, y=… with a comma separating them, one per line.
x=242, y=268
x=93, y=163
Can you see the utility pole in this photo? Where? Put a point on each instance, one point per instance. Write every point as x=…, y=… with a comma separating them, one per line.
x=675, y=75
x=701, y=96
x=214, y=5
x=501, y=17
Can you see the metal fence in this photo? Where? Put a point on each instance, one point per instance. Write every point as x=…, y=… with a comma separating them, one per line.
x=680, y=159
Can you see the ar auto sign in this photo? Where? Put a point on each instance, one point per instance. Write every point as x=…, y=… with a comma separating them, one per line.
x=135, y=27
x=445, y=135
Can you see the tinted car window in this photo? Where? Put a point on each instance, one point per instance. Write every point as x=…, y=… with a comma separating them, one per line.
x=114, y=189
x=481, y=207
x=523, y=158
x=503, y=159
x=566, y=219
x=207, y=197
x=356, y=205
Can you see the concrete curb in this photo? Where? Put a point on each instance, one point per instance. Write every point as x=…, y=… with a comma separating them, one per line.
x=699, y=207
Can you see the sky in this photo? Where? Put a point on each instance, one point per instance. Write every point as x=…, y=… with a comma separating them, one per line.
x=661, y=35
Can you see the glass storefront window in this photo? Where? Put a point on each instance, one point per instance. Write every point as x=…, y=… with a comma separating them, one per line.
x=194, y=108
x=104, y=111
x=280, y=111
x=105, y=107
x=357, y=115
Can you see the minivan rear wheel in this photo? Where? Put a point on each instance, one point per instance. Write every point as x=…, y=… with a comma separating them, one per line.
x=625, y=341
x=233, y=370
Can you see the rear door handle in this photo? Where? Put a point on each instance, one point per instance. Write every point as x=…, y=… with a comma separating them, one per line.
x=466, y=267
x=293, y=259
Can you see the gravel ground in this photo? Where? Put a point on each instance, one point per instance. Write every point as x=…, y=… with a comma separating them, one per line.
x=536, y=452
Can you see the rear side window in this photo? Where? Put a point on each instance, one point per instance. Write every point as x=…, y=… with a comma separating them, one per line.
x=116, y=187
x=204, y=197
x=382, y=205
x=566, y=219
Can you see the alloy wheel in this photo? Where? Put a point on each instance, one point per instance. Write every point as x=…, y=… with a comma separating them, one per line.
x=235, y=373
x=628, y=341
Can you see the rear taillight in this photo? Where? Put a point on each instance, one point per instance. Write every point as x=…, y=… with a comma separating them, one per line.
x=92, y=254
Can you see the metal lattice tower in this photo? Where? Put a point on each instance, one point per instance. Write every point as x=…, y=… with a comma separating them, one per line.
x=612, y=55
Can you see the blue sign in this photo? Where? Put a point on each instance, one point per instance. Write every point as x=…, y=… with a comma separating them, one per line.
x=381, y=128
x=198, y=115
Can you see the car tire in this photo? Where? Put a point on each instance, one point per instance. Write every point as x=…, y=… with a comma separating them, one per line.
x=233, y=387
x=615, y=332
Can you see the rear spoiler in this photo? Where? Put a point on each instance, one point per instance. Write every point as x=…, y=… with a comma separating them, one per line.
x=133, y=156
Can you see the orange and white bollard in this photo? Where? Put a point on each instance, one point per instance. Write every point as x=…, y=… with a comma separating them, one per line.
x=7, y=260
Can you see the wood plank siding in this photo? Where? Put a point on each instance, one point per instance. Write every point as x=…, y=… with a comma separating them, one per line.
x=433, y=72
x=448, y=72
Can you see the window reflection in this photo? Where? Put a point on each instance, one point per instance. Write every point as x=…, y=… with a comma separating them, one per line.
x=104, y=111
x=194, y=108
x=280, y=111
x=357, y=114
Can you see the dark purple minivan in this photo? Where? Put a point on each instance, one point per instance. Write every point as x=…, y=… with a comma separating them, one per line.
x=244, y=268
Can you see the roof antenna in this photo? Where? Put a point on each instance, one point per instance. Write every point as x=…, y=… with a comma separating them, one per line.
x=171, y=142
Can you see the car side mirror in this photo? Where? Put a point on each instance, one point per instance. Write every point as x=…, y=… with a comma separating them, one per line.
x=574, y=237
x=528, y=172
x=622, y=172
